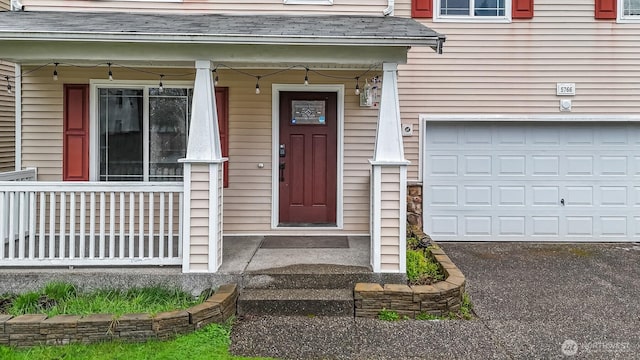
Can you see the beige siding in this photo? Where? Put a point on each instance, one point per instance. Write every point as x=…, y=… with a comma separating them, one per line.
x=513, y=68
x=389, y=219
x=199, y=248
x=5, y=5
x=7, y=119
x=247, y=200
x=374, y=7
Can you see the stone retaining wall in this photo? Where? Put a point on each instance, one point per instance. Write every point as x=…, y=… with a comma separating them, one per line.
x=37, y=329
x=438, y=299
x=414, y=206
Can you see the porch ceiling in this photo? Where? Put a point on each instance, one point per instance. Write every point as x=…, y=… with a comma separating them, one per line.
x=29, y=36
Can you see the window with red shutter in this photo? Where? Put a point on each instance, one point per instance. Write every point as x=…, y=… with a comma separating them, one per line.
x=75, y=158
x=421, y=8
x=606, y=9
x=522, y=9
x=222, y=106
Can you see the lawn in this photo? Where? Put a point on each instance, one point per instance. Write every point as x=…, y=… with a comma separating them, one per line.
x=211, y=342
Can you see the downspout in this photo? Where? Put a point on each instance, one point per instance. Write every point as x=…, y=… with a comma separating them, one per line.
x=390, y=7
x=18, y=123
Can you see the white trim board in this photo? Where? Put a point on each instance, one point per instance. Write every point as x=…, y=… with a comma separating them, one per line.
x=275, y=141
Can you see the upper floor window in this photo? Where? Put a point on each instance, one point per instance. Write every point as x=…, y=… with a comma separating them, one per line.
x=630, y=9
x=476, y=10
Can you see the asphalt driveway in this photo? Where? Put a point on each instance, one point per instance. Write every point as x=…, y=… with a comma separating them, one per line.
x=533, y=301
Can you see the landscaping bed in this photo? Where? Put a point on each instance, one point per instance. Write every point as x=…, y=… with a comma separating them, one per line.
x=60, y=326
x=435, y=288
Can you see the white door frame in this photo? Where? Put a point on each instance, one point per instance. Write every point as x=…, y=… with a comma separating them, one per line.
x=275, y=141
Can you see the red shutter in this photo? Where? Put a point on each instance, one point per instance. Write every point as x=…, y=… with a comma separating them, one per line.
x=421, y=8
x=222, y=106
x=75, y=161
x=522, y=9
x=606, y=9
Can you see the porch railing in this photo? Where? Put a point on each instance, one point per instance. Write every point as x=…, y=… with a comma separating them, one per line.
x=28, y=174
x=81, y=223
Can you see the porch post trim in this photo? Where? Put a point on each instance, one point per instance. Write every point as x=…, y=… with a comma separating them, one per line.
x=18, y=112
x=403, y=218
x=376, y=206
x=388, y=146
x=215, y=225
x=186, y=218
x=204, y=135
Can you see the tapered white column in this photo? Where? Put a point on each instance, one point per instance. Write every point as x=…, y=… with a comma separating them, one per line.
x=203, y=179
x=389, y=182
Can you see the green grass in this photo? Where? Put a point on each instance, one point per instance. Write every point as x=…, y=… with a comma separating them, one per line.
x=211, y=342
x=388, y=315
x=62, y=298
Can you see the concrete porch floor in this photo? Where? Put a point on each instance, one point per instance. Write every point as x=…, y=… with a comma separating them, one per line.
x=242, y=254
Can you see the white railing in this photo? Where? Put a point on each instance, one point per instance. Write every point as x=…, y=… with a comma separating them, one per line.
x=81, y=223
x=28, y=174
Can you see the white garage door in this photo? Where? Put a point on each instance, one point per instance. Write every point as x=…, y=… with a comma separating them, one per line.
x=532, y=181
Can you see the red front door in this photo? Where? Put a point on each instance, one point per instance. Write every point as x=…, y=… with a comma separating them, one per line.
x=307, y=158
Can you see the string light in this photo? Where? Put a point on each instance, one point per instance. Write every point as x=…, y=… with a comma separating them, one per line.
x=160, y=87
x=215, y=72
x=215, y=77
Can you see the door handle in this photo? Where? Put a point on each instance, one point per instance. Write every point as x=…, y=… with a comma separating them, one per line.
x=562, y=202
x=281, y=172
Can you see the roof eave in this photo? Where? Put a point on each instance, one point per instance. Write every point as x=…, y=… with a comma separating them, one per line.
x=430, y=41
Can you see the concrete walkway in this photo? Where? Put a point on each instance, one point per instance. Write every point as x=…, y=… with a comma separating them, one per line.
x=530, y=299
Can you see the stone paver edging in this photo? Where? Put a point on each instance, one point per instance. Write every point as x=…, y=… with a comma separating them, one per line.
x=437, y=299
x=37, y=329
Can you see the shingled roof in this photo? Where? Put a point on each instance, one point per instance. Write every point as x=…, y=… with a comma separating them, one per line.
x=214, y=28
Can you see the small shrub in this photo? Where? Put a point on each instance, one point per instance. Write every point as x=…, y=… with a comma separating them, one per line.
x=412, y=243
x=420, y=267
x=388, y=315
x=26, y=303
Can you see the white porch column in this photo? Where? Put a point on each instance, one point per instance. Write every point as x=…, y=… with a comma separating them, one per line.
x=202, y=232
x=389, y=182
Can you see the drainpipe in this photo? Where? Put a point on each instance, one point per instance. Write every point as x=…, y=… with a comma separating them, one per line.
x=18, y=111
x=389, y=10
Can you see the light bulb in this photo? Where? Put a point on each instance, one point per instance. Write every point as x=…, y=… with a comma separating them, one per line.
x=55, y=72
x=215, y=77
x=257, y=85
x=357, y=89
x=306, y=77
x=8, y=85
x=160, y=87
x=110, y=73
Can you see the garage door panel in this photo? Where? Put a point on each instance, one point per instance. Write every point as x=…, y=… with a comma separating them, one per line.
x=509, y=165
x=477, y=165
x=580, y=226
x=545, y=165
x=545, y=226
x=613, y=196
x=512, y=196
x=524, y=181
x=545, y=196
x=579, y=196
x=477, y=226
x=613, y=166
x=577, y=165
x=442, y=165
x=511, y=226
x=477, y=196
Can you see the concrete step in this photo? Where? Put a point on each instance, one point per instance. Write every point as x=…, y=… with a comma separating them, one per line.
x=304, y=302
x=315, y=277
